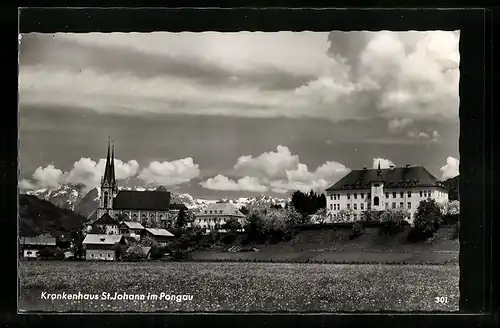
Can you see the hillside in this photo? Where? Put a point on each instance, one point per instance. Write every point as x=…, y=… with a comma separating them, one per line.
x=453, y=184
x=37, y=216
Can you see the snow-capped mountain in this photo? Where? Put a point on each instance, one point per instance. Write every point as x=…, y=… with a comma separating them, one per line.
x=75, y=198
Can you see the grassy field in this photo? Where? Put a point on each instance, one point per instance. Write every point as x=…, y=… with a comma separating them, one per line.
x=241, y=287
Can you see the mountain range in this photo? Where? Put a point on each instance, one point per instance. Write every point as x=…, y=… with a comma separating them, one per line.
x=74, y=197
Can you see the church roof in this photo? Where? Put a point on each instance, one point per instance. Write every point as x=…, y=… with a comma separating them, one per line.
x=397, y=177
x=142, y=200
x=106, y=219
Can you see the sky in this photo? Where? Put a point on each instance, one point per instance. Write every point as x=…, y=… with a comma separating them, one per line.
x=235, y=114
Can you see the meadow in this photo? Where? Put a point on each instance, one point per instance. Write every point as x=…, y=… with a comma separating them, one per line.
x=240, y=287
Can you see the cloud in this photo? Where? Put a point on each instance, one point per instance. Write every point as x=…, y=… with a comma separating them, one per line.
x=384, y=163
x=451, y=169
x=267, y=165
x=433, y=136
x=280, y=172
x=336, y=76
x=85, y=171
x=397, y=125
x=223, y=183
x=170, y=173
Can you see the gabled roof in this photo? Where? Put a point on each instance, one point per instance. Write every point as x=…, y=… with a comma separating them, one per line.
x=398, y=177
x=178, y=206
x=142, y=200
x=106, y=219
x=159, y=232
x=38, y=241
x=221, y=209
x=94, y=239
x=132, y=225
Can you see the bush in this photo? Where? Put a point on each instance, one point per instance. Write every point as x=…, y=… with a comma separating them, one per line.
x=229, y=238
x=392, y=221
x=134, y=253
x=357, y=230
x=158, y=252
x=232, y=225
x=370, y=216
x=120, y=250
x=427, y=216
x=59, y=254
x=47, y=252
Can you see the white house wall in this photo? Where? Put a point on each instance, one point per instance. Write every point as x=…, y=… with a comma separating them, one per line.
x=339, y=200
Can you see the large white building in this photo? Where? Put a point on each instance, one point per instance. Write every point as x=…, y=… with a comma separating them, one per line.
x=215, y=216
x=379, y=189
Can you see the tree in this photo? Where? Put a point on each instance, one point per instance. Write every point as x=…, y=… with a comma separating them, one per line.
x=276, y=206
x=427, y=216
x=148, y=242
x=244, y=210
x=120, y=250
x=47, y=252
x=345, y=215
x=453, y=207
x=371, y=215
x=134, y=253
x=320, y=216
x=393, y=221
x=232, y=225
x=182, y=219
x=77, y=238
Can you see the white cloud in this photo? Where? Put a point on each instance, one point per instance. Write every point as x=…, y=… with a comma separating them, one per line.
x=433, y=136
x=391, y=74
x=170, y=173
x=451, y=169
x=397, y=125
x=267, y=165
x=384, y=163
x=85, y=171
x=280, y=172
x=223, y=183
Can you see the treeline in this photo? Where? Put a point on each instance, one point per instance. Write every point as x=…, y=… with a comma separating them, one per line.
x=308, y=203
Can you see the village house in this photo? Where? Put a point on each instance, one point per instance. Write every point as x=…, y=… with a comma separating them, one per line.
x=32, y=245
x=131, y=229
x=215, y=216
x=101, y=247
x=378, y=189
x=107, y=224
x=161, y=236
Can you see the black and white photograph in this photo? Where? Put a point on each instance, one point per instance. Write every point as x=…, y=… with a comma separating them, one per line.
x=295, y=172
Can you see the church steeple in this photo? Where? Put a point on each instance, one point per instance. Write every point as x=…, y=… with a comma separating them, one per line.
x=112, y=167
x=107, y=179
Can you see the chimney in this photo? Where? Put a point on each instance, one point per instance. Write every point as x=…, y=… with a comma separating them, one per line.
x=391, y=167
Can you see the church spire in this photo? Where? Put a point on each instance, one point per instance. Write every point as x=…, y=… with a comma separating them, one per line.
x=107, y=170
x=113, y=178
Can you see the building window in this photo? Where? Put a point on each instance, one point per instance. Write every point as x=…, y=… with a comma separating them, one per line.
x=355, y=206
x=349, y=206
x=409, y=205
x=331, y=206
x=402, y=194
x=220, y=212
x=210, y=212
x=105, y=199
x=393, y=205
x=362, y=195
x=401, y=205
x=420, y=193
x=386, y=195
x=91, y=255
x=331, y=197
x=429, y=193
x=348, y=196
x=355, y=196
x=376, y=185
x=362, y=206
x=386, y=205
x=375, y=201
x=394, y=195
x=409, y=194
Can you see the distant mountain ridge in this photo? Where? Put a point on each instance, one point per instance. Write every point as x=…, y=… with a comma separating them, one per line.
x=74, y=198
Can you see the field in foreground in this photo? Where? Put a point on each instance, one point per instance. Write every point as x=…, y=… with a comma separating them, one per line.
x=242, y=287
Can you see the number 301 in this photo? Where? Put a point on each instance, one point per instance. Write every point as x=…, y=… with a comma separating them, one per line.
x=441, y=300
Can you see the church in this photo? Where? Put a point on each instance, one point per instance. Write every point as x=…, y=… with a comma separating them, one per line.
x=149, y=208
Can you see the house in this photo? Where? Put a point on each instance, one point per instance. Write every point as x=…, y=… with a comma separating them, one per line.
x=214, y=216
x=161, y=236
x=131, y=229
x=379, y=189
x=31, y=245
x=101, y=247
x=107, y=224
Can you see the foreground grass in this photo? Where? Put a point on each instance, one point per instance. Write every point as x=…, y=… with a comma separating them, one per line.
x=242, y=287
